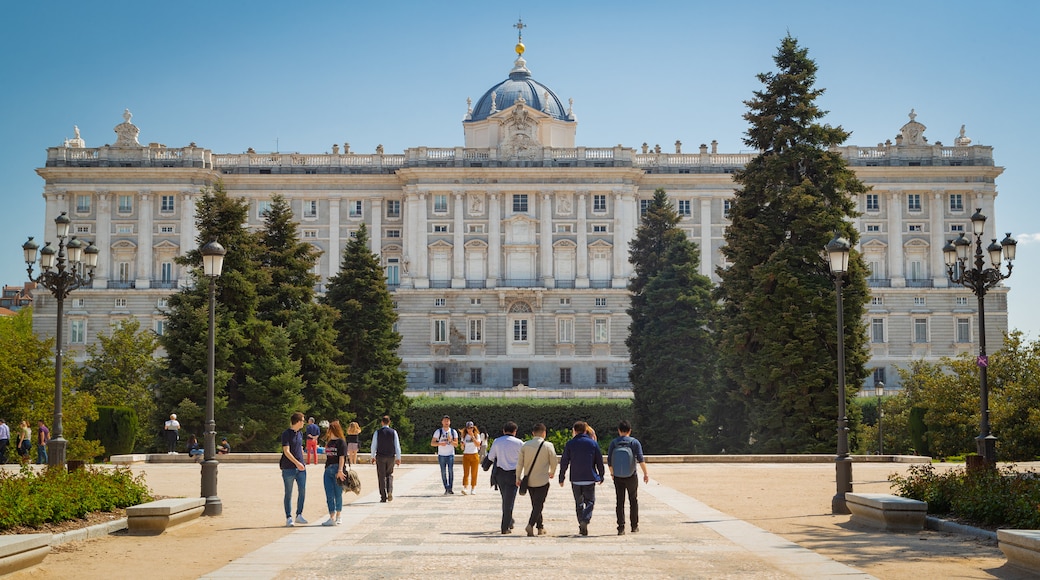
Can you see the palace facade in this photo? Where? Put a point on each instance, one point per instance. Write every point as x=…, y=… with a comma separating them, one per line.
x=507, y=257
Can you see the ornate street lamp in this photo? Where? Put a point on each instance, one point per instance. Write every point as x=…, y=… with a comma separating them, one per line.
x=838, y=254
x=879, y=390
x=69, y=267
x=212, y=263
x=974, y=275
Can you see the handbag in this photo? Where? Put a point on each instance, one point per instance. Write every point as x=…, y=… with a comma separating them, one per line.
x=351, y=480
x=523, y=480
x=486, y=463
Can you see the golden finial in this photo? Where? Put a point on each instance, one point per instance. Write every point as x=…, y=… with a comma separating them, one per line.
x=520, y=26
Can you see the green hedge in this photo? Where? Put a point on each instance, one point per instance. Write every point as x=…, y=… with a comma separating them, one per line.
x=115, y=428
x=491, y=414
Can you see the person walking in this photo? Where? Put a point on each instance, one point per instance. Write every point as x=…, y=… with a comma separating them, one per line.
x=293, y=469
x=386, y=454
x=471, y=442
x=43, y=437
x=335, y=459
x=624, y=453
x=538, y=461
x=5, y=440
x=313, y=432
x=505, y=453
x=24, y=441
x=170, y=429
x=353, y=441
x=446, y=440
x=585, y=460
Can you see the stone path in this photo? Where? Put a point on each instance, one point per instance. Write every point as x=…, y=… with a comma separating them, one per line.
x=424, y=534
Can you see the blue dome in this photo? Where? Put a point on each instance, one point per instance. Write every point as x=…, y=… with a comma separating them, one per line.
x=519, y=84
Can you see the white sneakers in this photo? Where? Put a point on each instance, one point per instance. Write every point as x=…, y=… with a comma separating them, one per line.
x=288, y=522
x=300, y=520
x=329, y=523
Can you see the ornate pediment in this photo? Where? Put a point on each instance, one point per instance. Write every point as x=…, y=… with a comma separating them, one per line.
x=520, y=133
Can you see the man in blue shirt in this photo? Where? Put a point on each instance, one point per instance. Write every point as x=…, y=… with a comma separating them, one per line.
x=293, y=469
x=386, y=453
x=625, y=477
x=585, y=460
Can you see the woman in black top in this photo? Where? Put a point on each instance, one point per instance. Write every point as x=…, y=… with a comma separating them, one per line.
x=335, y=458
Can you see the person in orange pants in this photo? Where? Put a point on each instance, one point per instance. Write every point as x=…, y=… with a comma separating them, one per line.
x=312, y=434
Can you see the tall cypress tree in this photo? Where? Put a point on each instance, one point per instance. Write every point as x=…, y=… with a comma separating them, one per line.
x=669, y=343
x=257, y=381
x=286, y=298
x=366, y=337
x=777, y=329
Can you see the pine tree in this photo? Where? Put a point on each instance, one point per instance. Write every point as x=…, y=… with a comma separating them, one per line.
x=287, y=300
x=366, y=337
x=257, y=383
x=777, y=328
x=669, y=344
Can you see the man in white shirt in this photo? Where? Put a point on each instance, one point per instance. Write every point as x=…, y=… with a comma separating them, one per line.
x=446, y=440
x=5, y=439
x=505, y=453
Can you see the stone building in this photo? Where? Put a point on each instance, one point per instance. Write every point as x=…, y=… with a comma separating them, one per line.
x=508, y=256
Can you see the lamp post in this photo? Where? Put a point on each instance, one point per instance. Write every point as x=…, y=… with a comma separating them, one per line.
x=974, y=275
x=838, y=255
x=212, y=263
x=69, y=267
x=879, y=390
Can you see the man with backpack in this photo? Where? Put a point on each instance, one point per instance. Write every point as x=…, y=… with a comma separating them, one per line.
x=446, y=440
x=624, y=453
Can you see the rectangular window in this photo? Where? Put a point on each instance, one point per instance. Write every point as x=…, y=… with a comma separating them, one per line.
x=565, y=301
x=962, y=301
x=873, y=228
x=913, y=201
x=123, y=271
x=393, y=273
x=166, y=204
x=440, y=376
x=440, y=330
x=310, y=208
x=601, y=375
x=124, y=228
x=476, y=330
x=354, y=207
x=599, y=203
x=565, y=330
x=439, y=301
x=77, y=331
x=166, y=272
x=877, y=330
x=474, y=301
x=163, y=302
x=726, y=206
x=440, y=228
x=262, y=207
x=565, y=376
x=956, y=202
x=963, y=330
x=126, y=204
x=520, y=330
x=82, y=204
x=684, y=208
x=564, y=228
x=918, y=300
x=915, y=228
x=393, y=233
x=120, y=303
x=83, y=229
x=476, y=376
x=78, y=302
x=601, y=302
x=521, y=376
x=520, y=203
x=167, y=229
x=393, y=208
x=644, y=204
x=352, y=234
x=873, y=202
x=601, y=331
x=879, y=375
x=599, y=229
x=917, y=270
x=310, y=234
x=920, y=330
x=440, y=203
x=877, y=301
x=160, y=327
x=476, y=228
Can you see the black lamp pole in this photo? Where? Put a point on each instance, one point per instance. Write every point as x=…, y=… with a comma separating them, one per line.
x=838, y=254
x=974, y=275
x=212, y=263
x=69, y=267
x=879, y=390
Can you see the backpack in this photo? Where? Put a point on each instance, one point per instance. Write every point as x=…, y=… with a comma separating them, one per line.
x=622, y=459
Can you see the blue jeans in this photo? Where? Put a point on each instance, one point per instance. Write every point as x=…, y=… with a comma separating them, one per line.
x=41, y=454
x=288, y=477
x=447, y=465
x=584, y=501
x=333, y=490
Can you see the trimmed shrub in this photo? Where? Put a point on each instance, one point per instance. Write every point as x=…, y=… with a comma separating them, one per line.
x=115, y=428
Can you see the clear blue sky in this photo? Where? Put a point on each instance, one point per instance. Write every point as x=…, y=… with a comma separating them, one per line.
x=302, y=76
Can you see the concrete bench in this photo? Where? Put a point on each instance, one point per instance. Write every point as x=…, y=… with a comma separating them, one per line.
x=887, y=512
x=1021, y=548
x=152, y=518
x=20, y=551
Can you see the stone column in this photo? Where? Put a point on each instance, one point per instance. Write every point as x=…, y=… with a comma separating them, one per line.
x=375, y=241
x=103, y=238
x=335, y=253
x=494, y=239
x=937, y=240
x=707, y=252
x=458, y=249
x=895, y=238
x=626, y=218
x=545, y=238
x=582, y=254
x=145, y=225
x=188, y=231
x=421, y=259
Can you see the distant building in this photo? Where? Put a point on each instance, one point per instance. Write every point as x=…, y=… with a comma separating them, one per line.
x=15, y=298
x=508, y=256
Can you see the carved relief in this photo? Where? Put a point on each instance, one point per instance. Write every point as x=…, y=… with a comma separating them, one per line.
x=476, y=204
x=126, y=132
x=564, y=204
x=520, y=140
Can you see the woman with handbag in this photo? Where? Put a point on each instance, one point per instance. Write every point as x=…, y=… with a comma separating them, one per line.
x=335, y=459
x=534, y=470
x=471, y=442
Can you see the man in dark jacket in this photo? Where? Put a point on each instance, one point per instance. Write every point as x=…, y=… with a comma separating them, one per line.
x=585, y=460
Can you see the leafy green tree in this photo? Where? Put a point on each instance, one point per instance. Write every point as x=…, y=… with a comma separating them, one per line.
x=669, y=343
x=287, y=300
x=366, y=337
x=258, y=383
x=777, y=326
x=120, y=370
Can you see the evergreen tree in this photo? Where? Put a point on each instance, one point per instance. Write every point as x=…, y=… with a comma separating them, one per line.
x=366, y=337
x=777, y=328
x=669, y=344
x=287, y=300
x=257, y=381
